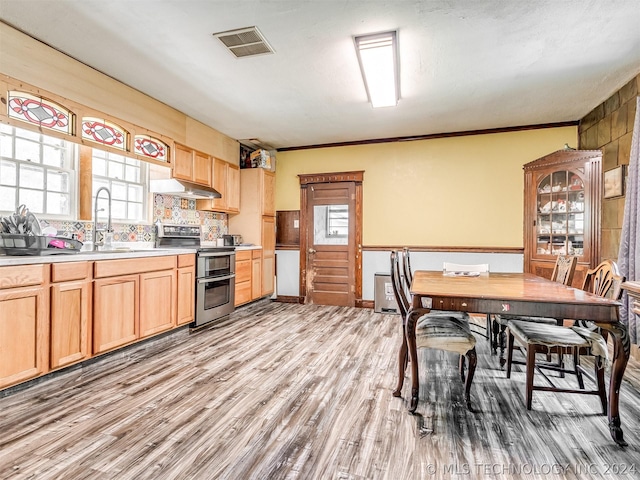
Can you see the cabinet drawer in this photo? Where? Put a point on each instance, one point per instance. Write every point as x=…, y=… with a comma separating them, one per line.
x=243, y=255
x=243, y=271
x=256, y=253
x=66, y=272
x=23, y=275
x=111, y=268
x=186, y=260
x=243, y=293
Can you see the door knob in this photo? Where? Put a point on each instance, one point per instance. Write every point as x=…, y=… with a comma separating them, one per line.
x=311, y=250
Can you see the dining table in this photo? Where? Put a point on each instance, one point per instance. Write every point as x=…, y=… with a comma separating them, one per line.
x=518, y=294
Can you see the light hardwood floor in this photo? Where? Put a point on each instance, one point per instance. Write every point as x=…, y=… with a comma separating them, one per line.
x=284, y=391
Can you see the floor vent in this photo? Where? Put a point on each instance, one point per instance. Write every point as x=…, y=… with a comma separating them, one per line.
x=245, y=42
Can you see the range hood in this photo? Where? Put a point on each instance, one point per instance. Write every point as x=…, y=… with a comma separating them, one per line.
x=180, y=188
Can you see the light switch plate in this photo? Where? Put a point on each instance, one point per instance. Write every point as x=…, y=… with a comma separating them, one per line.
x=296, y=224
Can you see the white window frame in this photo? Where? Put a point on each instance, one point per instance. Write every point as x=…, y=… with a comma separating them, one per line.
x=109, y=181
x=9, y=133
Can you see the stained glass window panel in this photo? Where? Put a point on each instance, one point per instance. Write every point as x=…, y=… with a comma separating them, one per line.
x=150, y=147
x=39, y=111
x=104, y=132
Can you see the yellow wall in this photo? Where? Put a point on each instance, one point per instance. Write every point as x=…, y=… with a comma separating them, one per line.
x=458, y=191
x=35, y=63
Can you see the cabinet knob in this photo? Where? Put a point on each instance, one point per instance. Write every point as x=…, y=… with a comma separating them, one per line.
x=311, y=250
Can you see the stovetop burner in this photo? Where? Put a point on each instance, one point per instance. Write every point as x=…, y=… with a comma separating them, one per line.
x=184, y=236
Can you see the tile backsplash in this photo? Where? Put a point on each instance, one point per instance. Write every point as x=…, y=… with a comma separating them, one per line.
x=166, y=208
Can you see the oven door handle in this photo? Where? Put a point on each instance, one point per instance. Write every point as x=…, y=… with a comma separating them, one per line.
x=216, y=279
x=216, y=254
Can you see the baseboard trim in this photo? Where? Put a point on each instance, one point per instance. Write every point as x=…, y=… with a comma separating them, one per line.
x=289, y=299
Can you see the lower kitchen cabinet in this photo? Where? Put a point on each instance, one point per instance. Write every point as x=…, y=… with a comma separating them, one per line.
x=24, y=323
x=248, y=276
x=116, y=304
x=256, y=273
x=243, y=293
x=70, y=305
x=186, y=289
x=157, y=302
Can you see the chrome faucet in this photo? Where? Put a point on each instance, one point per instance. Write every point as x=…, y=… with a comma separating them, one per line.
x=95, y=218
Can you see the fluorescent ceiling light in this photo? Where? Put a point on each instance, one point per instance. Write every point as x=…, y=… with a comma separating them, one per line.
x=378, y=58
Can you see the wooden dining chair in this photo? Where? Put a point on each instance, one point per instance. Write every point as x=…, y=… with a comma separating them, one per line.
x=563, y=273
x=462, y=269
x=438, y=331
x=581, y=339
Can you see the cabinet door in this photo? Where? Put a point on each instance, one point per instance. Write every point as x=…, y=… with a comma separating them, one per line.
x=256, y=278
x=157, y=302
x=186, y=295
x=220, y=169
x=233, y=188
x=268, y=254
x=183, y=163
x=269, y=193
x=24, y=331
x=70, y=303
x=202, y=169
x=115, y=312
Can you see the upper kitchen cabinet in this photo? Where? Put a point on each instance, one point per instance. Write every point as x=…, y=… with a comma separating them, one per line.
x=192, y=165
x=226, y=180
x=562, y=211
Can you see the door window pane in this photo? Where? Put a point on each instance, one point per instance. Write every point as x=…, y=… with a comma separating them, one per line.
x=331, y=224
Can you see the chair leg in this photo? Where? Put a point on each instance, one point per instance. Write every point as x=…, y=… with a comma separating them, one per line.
x=502, y=342
x=403, y=360
x=576, y=367
x=489, y=328
x=510, y=341
x=531, y=364
x=473, y=360
x=494, y=331
x=602, y=392
x=461, y=363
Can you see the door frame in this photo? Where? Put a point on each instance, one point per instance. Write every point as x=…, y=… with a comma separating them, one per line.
x=310, y=179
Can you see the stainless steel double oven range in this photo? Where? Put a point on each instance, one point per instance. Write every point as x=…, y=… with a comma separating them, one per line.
x=215, y=271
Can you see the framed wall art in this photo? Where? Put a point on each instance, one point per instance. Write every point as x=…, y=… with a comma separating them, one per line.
x=614, y=182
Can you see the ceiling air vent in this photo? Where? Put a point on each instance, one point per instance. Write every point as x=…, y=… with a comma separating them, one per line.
x=245, y=42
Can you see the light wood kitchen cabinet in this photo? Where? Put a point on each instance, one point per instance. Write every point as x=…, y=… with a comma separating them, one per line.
x=125, y=291
x=256, y=273
x=226, y=180
x=24, y=323
x=256, y=220
x=243, y=289
x=70, y=305
x=157, y=302
x=248, y=276
x=191, y=165
x=186, y=281
x=116, y=307
x=268, y=254
x=562, y=211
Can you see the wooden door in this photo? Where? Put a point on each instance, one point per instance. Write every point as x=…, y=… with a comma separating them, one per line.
x=331, y=244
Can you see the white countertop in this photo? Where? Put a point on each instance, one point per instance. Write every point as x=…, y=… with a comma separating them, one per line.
x=6, y=260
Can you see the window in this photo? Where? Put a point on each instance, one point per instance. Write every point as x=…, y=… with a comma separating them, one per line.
x=37, y=170
x=126, y=179
x=337, y=220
